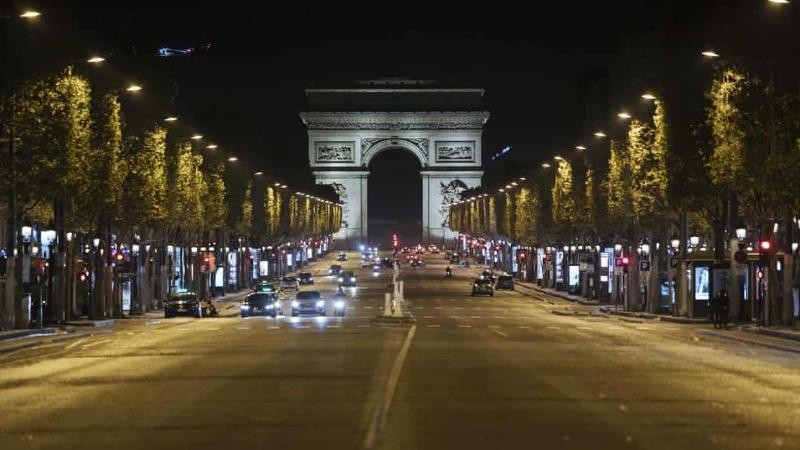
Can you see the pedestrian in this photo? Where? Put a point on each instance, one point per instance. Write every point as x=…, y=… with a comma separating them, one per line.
x=721, y=306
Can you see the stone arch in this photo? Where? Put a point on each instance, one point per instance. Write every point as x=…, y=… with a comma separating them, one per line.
x=391, y=143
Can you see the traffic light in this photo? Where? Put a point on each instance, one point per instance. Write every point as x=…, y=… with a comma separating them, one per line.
x=763, y=252
x=83, y=276
x=626, y=262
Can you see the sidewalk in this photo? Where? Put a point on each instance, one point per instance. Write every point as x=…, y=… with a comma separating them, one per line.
x=783, y=333
x=560, y=294
x=609, y=309
x=20, y=334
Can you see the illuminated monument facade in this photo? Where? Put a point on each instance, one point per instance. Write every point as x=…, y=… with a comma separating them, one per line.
x=442, y=128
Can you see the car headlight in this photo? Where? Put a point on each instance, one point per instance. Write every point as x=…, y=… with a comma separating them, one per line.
x=271, y=306
x=278, y=304
x=475, y=285
x=339, y=304
x=245, y=306
x=320, y=304
x=341, y=279
x=353, y=279
x=295, y=304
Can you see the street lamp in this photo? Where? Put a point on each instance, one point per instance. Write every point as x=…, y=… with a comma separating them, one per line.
x=623, y=115
x=741, y=230
x=645, y=247
x=675, y=242
x=617, y=248
x=546, y=165
x=96, y=242
x=30, y=14
x=710, y=54
x=133, y=88
x=580, y=147
x=211, y=146
x=170, y=119
x=95, y=59
x=196, y=137
x=648, y=96
x=599, y=134
x=694, y=240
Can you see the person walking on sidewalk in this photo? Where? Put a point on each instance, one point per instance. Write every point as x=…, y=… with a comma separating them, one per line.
x=721, y=305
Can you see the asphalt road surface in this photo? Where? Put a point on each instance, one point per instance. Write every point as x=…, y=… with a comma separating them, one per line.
x=472, y=373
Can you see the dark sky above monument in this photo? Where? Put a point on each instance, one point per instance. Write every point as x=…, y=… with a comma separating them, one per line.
x=553, y=71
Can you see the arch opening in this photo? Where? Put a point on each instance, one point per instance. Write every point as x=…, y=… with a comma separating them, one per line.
x=395, y=197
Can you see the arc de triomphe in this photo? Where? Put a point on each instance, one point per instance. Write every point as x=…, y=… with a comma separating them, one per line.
x=442, y=128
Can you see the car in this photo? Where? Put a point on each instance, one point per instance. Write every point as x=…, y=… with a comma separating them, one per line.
x=289, y=283
x=406, y=250
x=183, y=303
x=306, y=278
x=308, y=302
x=435, y=250
x=366, y=263
x=482, y=286
x=341, y=257
x=264, y=287
x=388, y=263
x=334, y=269
x=376, y=269
x=417, y=263
x=490, y=275
x=347, y=278
x=260, y=304
x=339, y=304
x=504, y=282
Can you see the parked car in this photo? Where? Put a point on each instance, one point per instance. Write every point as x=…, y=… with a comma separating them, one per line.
x=306, y=278
x=183, y=303
x=334, y=269
x=290, y=283
x=347, y=278
x=504, y=282
x=308, y=302
x=482, y=286
x=260, y=304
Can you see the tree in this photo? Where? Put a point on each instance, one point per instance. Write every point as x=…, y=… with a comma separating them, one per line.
x=245, y=224
x=100, y=202
x=563, y=195
x=618, y=188
x=215, y=203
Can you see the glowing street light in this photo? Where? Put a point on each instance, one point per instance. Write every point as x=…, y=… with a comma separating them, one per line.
x=600, y=134
x=30, y=14
x=710, y=54
x=546, y=165
x=259, y=173
x=558, y=158
x=779, y=2
x=233, y=159
x=170, y=119
x=624, y=115
x=211, y=146
x=133, y=88
x=648, y=96
x=95, y=59
x=580, y=147
x=196, y=137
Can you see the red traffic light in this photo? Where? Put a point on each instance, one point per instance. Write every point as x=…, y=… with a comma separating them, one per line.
x=764, y=246
x=625, y=260
x=119, y=256
x=82, y=276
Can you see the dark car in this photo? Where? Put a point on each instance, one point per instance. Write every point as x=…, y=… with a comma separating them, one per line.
x=308, y=302
x=341, y=257
x=347, y=278
x=260, y=304
x=306, y=278
x=482, y=286
x=183, y=303
x=417, y=263
x=334, y=269
x=504, y=282
x=388, y=263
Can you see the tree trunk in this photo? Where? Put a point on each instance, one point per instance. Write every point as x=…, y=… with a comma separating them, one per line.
x=788, y=303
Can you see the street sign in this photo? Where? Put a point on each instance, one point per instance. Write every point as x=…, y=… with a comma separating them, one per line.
x=644, y=266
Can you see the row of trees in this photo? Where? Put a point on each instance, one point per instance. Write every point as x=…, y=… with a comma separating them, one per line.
x=76, y=163
x=742, y=164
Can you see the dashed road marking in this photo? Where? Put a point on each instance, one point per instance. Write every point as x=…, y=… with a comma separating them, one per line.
x=368, y=307
x=363, y=326
x=438, y=307
x=494, y=326
x=499, y=332
x=584, y=328
x=524, y=328
x=334, y=326
x=273, y=328
x=553, y=328
x=465, y=326
x=303, y=326
x=433, y=326
x=428, y=317
x=242, y=328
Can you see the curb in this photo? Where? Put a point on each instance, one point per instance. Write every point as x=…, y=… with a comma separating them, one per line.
x=770, y=332
x=569, y=313
x=19, y=334
x=91, y=323
x=56, y=338
x=731, y=337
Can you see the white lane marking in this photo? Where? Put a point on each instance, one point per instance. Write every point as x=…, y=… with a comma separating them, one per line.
x=499, y=317
x=103, y=341
x=464, y=326
x=455, y=317
x=428, y=317
x=242, y=328
x=334, y=326
x=524, y=328
x=584, y=328
x=438, y=307
x=433, y=326
x=613, y=327
x=76, y=343
x=363, y=326
x=273, y=328
x=379, y=418
x=643, y=328
x=553, y=328
x=499, y=332
x=303, y=326
x=368, y=307
x=494, y=326
x=458, y=307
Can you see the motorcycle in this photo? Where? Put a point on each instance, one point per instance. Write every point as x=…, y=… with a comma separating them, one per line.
x=448, y=273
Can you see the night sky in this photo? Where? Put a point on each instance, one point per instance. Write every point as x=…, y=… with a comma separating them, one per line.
x=553, y=71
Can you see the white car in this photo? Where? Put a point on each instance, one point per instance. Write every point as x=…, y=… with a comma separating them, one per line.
x=290, y=283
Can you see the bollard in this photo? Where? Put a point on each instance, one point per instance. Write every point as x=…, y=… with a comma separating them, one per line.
x=387, y=304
